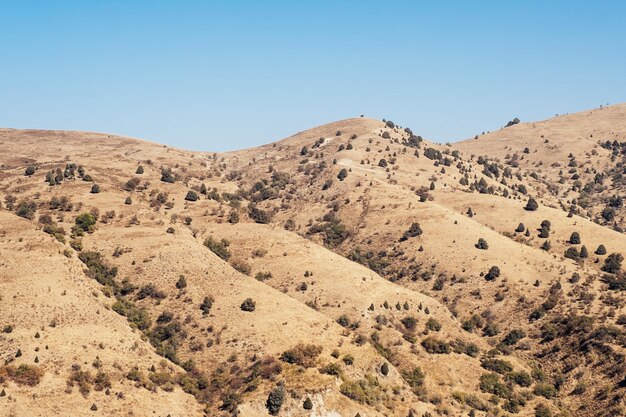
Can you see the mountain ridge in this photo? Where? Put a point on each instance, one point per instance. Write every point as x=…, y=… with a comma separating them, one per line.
x=354, y=265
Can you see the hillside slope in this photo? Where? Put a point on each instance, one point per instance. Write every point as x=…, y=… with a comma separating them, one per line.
x=351, y=268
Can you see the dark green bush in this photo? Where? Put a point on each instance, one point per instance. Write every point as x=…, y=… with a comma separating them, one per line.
x=496, y=365
x=181, y=283
x=98, y=269
x=206, y=305
x=482, y=244
x=513, y=337
x=26, y=209
x=613, y=263
x=531, y=205
x=436, y=346
x=303, y=355
x=258, y=215
x=248, y=305
x=492, y=384
x=494, y=272
x=414, y=378
x=413, y=231
x=521, y=378
x=220, y=248
x=191, y=196
x=135, y=315
x=85, y=222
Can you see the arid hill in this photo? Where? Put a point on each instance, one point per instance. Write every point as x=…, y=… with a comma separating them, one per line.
x=351, y=269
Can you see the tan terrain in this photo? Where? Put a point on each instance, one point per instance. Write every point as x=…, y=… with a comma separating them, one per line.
x=351, y=269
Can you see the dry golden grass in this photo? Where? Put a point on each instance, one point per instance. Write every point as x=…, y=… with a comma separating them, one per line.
x=298, y=273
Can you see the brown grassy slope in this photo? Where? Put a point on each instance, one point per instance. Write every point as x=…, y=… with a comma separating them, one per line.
x=277, y=323
x=377, y=204
x=575, y=133
x=566, y=153
x=362, y=216
x=160, y=258
x=336, y=287
x=60, y=318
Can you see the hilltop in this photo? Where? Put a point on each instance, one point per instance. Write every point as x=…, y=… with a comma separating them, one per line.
x=353, y=268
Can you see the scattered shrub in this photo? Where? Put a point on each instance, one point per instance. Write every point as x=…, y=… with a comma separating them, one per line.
x=513, y=337
x=414, y=378
x=613, y=263
x=303, y=355
x=545, y=390
x=496, y=365
x=275, y=400
x=26, y=209
x=206, y=305
x=167, y=176
x=492, y=384
x=531, y=205
x=433, y=325
x=307, y=404
x=413, y=231
x=521, y=378
x=258, y=215
x=85, y=222
x=191, y=196
x=135, y=315
x=494, y=272
x=21, y=375
x=482, y=244
x=220, y=248
x=181, y=283
x=436, y=346
x=248, y=305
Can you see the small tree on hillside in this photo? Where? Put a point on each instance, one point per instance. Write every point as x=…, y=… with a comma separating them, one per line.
x=482, y=244
x=191, y=196
x=613, y=263
x=531, y=205
x=275, y=400
x=248, y=305
x=414, y=231
x=494, y=272
x=181, y=283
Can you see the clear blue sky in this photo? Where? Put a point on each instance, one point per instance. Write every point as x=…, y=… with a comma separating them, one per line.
x=220, y=75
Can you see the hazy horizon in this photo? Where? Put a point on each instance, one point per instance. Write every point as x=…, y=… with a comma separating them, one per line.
x=225, y=76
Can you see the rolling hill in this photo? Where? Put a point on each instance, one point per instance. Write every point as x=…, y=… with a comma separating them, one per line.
x=350, y=269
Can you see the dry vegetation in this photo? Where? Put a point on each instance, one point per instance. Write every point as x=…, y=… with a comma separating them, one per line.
x=351, y=269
